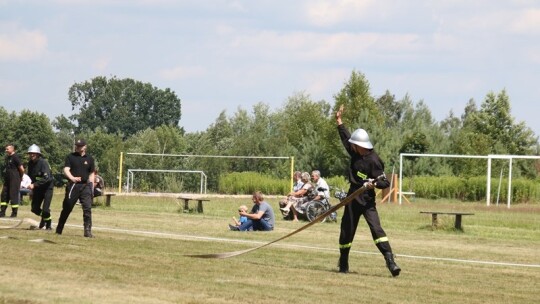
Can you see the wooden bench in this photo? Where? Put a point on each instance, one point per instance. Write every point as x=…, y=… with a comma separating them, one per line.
x=199, y=205
x=108, y=198
x=458, y=215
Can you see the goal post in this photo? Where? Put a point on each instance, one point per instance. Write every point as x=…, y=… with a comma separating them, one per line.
x=489, y=158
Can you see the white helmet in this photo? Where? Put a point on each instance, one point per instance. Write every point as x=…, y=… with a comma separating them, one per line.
x=361, y=138
x=34, y=149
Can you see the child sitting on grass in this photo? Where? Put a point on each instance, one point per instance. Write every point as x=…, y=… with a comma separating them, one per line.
x=242, y=219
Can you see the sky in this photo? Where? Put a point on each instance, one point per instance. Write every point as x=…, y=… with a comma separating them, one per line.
x=224, y=55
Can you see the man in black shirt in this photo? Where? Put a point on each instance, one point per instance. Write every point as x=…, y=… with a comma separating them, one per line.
x=13, y=173
x=79, y=169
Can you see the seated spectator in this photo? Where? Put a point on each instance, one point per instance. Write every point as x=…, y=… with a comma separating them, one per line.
x=320, y=183
x=99, y=185
x=242, y=219
x=25, y=183
x=296, y=200
x=261, y=217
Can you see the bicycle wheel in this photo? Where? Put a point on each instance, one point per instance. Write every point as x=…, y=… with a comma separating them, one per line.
x=314, y=209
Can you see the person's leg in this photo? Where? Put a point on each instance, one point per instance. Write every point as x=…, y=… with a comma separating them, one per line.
x=262, y=225
x=248, y=225
x=349, y=223
x=46, y=209
x=86, y=202
x=14, y=197
x=3, y=200
x=381, y=240
x=37, y=198
x=71, y=197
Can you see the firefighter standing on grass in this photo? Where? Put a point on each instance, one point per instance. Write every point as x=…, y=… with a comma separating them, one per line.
x=13, y=173
x=365, y=164
x=42, y=186
x=79, y=168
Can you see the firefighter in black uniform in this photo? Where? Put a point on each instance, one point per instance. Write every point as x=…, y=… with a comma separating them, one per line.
x=42, y=186
x=13, y=173
x=79, y=168
x=365, y=165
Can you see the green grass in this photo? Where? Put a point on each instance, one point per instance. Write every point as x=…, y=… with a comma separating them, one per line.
x=123, y=264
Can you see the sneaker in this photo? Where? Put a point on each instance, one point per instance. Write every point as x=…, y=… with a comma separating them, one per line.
x=285, y=209
x=233, y=228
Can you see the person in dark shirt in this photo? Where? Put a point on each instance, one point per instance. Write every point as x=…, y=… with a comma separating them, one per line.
x=42, y=186
x=364, y=167
x=79, y=169
x=13, y=173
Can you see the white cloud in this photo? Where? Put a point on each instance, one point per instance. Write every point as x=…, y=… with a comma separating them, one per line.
x=527, y=22
x=22, y=45
x=101, y=64
x=328, y=12
x=182, y=72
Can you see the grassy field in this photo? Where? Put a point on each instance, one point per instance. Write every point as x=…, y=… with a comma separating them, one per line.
x=138, y=253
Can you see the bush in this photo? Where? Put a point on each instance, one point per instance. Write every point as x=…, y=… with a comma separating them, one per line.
x=249, y=182
x=473, y=188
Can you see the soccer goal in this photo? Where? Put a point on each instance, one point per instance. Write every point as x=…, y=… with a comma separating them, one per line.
x=489, y=159
x=131, y=177
x=209, y=167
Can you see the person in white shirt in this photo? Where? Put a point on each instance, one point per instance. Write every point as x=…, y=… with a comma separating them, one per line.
x=320, y=183
x=25, y=182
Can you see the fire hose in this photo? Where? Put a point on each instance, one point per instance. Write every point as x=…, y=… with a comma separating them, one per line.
x=319, y=218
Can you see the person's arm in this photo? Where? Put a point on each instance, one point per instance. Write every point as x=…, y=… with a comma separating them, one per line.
x=338, y=115
x=21, y=170
x=344, y=134
x=73, y=179
x=46, y=175
x=253, y=216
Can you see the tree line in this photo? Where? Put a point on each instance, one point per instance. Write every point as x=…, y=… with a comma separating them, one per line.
x=124, y=115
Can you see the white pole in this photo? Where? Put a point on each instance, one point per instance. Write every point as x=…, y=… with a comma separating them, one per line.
x=391, y=184
x=499, y=188
x=509, y=182
x=488, y=185
x=400, y=175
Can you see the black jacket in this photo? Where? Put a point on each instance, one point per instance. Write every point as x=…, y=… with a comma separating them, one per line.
x=40, y=174
x=362, y=168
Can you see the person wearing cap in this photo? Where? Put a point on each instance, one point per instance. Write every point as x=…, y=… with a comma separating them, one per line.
x=365, y=165
x=13, y=173
x=79, y=168
x=42, y=186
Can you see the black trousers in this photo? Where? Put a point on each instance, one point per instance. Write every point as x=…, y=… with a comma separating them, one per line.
x=11, y=187
x=349, y=224
x=76, y=192
x=41, y=202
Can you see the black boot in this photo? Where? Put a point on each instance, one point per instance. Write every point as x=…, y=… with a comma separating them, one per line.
x=48, y=224
x=3, y=211
x=344, y=260
x=392, y=266
x=60, y=226
x=88, y=231
x=14, y=212
x=42, y=223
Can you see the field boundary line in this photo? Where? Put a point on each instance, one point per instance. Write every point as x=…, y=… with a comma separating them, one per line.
x=226, y=240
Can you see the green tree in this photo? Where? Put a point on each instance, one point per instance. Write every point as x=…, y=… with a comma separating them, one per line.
x=35, y=128
x=122, y=106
